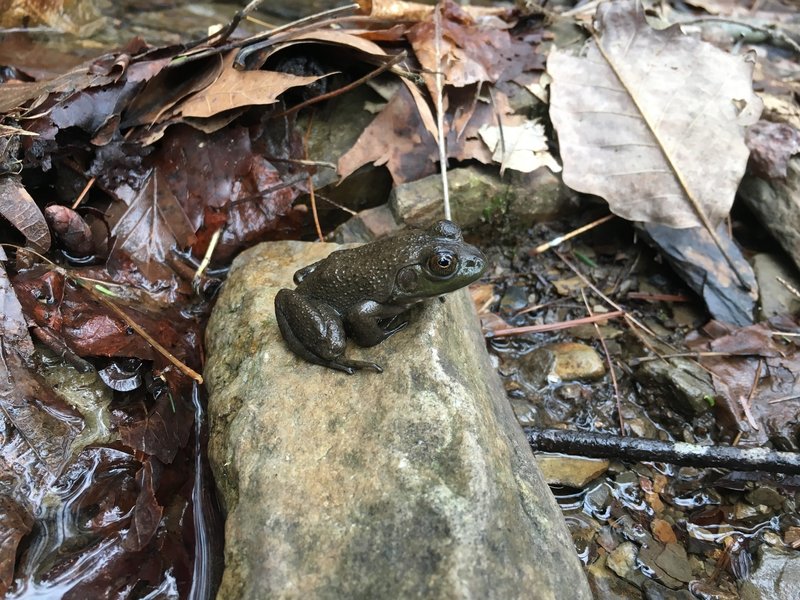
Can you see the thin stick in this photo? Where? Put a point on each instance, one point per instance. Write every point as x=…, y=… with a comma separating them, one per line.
x=437, y=26
x=553, y=326
x=311, y=193
x=595, y=289
x=212, y=245
x=568, y=236
x=785, y=399
x=610, y=365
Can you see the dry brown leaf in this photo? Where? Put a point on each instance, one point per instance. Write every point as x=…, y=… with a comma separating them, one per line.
x=645, y=118
x=235, y=88
x=18, y=207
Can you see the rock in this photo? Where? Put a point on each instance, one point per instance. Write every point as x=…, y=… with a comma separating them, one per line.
x=574, y=471
x=777, y=577
x=479, y=193
x=565, y=361
x=607, y=585
x=652, y=590
x=682, y=384
x=767, y=496
x=370, y=224
x=416, y=482
x=776, y=203
x=675, y=562
x=622, y=559
x=774, y=297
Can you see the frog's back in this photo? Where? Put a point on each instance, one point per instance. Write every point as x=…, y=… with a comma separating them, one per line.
x=367, y=272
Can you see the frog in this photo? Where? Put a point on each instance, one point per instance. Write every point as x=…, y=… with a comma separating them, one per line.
x=365, y=293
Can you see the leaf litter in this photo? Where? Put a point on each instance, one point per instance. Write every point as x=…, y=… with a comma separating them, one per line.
x=136, y=160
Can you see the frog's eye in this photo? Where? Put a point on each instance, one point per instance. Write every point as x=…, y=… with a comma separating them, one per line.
x=442, y=263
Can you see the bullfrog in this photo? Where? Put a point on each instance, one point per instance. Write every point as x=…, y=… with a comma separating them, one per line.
x=365, y=293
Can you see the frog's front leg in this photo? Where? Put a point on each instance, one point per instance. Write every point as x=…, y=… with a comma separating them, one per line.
x=363, y=322
x=314, y=331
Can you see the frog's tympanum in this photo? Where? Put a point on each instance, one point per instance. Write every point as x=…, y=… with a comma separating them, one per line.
x=364, y=293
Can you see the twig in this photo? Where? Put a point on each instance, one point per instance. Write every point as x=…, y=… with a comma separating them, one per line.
x=311, y=193
x=437, y=36
x=595, y=289
x=212, y=245
x=601, y=445
x=642, y=359
x=785, y=399
x=609, y=363
x=568, y=236
x=553, y=326
x=788, y=286
x=745, y=402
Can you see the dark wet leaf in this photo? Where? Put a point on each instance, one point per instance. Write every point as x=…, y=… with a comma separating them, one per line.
x=160, y=431
x=146, y=514
x=46, y=423
x=90, y=328
x=223, y=178
x=153, y=224
x=16, y=522
x=18, y=207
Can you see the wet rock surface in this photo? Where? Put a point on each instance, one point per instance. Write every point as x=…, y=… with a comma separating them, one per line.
x=412, y=483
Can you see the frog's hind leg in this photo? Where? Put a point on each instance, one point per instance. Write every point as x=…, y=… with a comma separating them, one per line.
x=317, y=335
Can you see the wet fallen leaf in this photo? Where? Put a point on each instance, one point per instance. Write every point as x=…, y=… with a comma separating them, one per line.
x=146, y=513
x=642, y=112
x=70, y=230
x=153, y=224
x=16, y=522
x=46, y=423
x=13, y=327
x=698, y=261
x=18, y=207
x=235, y=88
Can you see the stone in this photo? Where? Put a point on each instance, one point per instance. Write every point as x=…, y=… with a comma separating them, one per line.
x=776, y=203
x=774, y=297
x=776, y=577
x=682, y=384
x=563, y=361
x=480, y=193
x=607, y=585
x=652, y=590
x=766, y=495
x=675, y=562
x=416, y=482
x=622, y=559
x=573, y=471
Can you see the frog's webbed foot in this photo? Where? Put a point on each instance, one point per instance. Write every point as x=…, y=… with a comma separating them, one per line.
x=369, y=323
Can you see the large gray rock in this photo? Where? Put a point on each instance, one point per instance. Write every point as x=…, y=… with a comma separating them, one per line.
x=414, y=483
